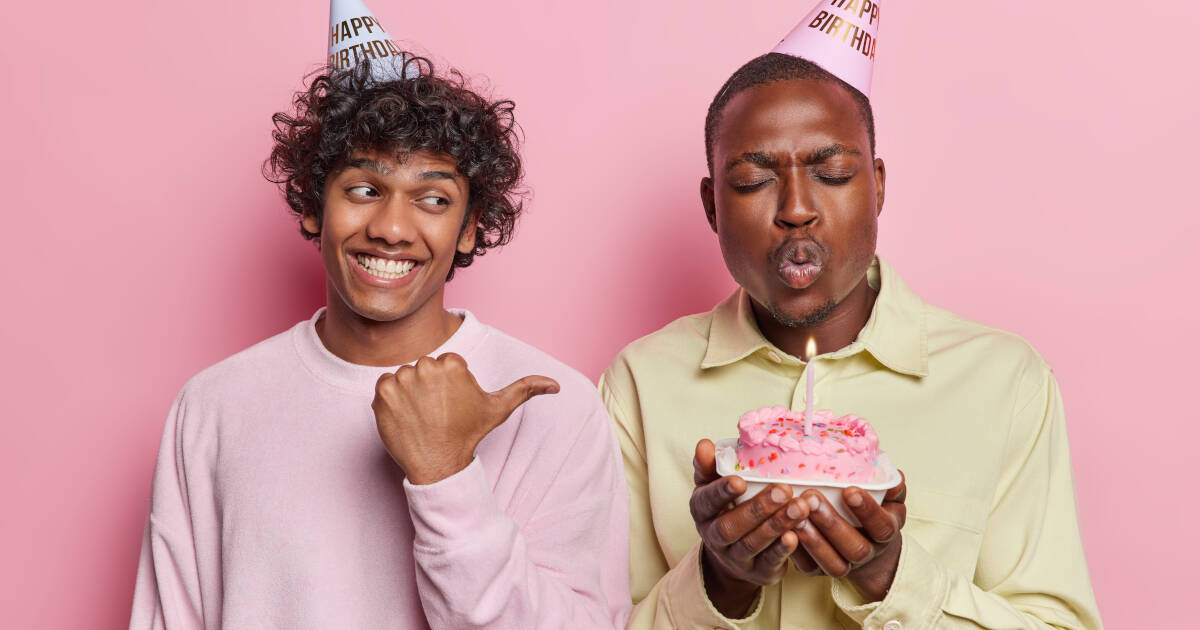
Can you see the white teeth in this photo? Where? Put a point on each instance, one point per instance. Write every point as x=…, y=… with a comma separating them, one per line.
x=385, y=268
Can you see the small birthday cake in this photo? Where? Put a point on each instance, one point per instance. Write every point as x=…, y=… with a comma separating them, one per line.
x=772, y=443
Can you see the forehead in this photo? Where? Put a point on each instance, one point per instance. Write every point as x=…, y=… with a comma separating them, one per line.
x=796, y=115
x=401, y=162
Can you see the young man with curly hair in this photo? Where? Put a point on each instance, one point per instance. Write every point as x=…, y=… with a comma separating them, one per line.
x=389, y=463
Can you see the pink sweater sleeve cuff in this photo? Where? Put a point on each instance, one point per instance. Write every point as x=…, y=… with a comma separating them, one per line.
x=459, y=506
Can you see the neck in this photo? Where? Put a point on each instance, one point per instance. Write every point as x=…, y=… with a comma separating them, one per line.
x=831, y=334
x=364, y=341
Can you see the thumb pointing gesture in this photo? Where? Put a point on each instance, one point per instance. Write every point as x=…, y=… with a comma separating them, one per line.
x=506, y=401
x=432, y=415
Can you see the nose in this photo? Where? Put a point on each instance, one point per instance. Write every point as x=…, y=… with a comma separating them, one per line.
x=392, y=222
x=797, y=202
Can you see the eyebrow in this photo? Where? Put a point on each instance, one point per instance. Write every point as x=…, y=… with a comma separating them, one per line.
x=824, y=153
x=383, y=169
x=752, y=157
x=815, y=157
x=436, y=175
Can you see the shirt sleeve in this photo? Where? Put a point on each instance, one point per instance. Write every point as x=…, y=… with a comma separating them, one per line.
x=664, y=597
x=476, y=568
x=167, y=593
x=1031, y=571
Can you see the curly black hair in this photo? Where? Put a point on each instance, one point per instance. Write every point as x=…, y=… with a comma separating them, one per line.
x=773, y=67
x=346, y=111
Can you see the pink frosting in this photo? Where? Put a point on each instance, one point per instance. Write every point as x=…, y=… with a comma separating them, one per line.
x=772, y=443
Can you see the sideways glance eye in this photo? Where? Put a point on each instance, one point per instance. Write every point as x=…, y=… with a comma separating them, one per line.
x=435, y=200
x=363, y=191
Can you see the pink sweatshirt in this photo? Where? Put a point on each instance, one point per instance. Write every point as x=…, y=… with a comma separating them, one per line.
x=275, y=504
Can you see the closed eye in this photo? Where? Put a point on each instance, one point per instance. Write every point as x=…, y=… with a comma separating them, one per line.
x=749, y=188
x=834, y=181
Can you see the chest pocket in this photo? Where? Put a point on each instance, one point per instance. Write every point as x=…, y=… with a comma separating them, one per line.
x=949, y=527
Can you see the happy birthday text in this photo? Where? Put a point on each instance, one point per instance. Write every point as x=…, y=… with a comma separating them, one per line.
x=351, y=55
x=834, y=25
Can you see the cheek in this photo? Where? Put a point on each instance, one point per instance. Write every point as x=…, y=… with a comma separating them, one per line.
x=861, y=237
x=442, y=232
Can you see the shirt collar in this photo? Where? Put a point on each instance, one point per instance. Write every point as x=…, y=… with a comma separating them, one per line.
x=895, y=334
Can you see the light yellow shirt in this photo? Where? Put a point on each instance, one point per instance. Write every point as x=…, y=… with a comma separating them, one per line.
x=971, y=414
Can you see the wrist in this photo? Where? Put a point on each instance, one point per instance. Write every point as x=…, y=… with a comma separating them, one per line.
x=731, y=596
x=432, y=470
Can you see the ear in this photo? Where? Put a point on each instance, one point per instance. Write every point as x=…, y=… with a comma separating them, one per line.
x=310, y=223
x=466, y=238
x=880, y=180
x=706, y=198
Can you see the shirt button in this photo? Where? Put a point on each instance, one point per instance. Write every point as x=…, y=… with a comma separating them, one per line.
x=774, y=356
x=893, y=625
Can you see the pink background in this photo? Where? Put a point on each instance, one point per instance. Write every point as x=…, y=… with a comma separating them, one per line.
x=1038, y=155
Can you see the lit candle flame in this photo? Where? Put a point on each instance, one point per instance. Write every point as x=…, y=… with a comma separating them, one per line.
x=810, y=350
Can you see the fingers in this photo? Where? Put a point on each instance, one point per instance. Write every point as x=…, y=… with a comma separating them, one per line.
x=827, y=560
x=802, y=561
x=711, y=499
x=704, y=464
x=753, y=540
x=834, y=544
x=897, y=493
x=771, y=564
x=521, y=390
x=781, y=522
x=731, y=526
x=879, y=524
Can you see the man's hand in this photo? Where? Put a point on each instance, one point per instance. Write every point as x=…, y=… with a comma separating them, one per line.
x=432, y=415
x=868, y=556
x=745, y=547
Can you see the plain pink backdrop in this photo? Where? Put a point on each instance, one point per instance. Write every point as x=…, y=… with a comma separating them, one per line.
x=1040, y=178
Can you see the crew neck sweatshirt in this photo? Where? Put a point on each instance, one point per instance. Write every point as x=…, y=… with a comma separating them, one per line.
x=276, y=505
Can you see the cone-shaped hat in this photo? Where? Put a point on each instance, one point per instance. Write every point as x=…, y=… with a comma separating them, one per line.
x=355, y=34
x=839, y=36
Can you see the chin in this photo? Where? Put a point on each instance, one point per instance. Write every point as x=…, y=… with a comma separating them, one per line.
x=801, y=316
x=382, y=312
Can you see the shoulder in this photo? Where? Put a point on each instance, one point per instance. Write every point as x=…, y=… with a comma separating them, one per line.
x=682, y=342
x=670, y=357
x=948, y=331
x=243, y=371
x=992, y=354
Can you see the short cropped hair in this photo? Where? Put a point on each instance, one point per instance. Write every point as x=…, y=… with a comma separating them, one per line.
x=770, y=68
x=347, y=111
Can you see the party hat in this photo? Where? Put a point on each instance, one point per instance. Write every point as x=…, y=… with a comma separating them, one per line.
x=839, y=36
x=355, y=34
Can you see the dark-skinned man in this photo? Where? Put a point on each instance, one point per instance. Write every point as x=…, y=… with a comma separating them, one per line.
x=982, y=532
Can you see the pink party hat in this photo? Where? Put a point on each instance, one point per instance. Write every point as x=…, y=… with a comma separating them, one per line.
x=839, y=36
x=355, y=34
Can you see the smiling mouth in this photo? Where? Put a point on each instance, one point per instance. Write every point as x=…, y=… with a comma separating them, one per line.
x=384, y=268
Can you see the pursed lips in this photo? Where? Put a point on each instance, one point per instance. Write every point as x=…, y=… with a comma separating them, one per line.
x=799, y=262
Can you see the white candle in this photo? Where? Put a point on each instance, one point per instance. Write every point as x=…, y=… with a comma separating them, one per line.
x=811, y=351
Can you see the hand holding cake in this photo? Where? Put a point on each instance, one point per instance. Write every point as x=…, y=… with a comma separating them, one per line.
x=867, y=556
x=748, y=546
x=852, y=497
